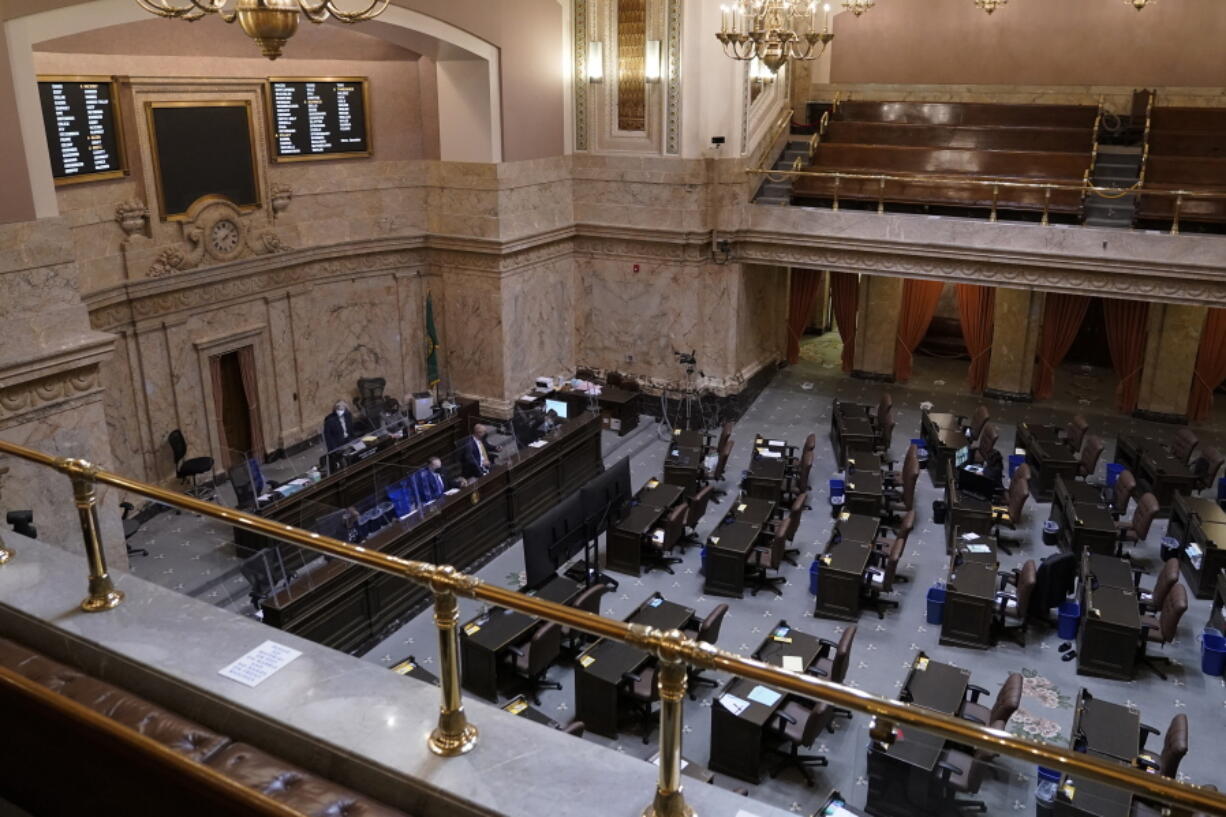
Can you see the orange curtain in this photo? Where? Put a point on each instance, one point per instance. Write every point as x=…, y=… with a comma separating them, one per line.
x=1126, y=331
x=977, y=312
x=219, y=408
x=246, y=365
x=919, y=304
x=805, y=286
x=845, y=299
x=1210, y=366
x=1062, y=317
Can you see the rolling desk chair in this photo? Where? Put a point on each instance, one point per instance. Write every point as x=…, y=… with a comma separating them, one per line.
x=130, y=526
x=1185, y=443
x=588, y=601
x=1163, y=628
x=721, y=465
x=1136, y=529
x=1008, y=699
x=1013, y=606
x=1019, y=494
x=885, y=433
x=1075, y=431
x=188, y=470
x=706, y=630
x=901, y=531
x=880, y=576
x=533, y=659
x=724, y=433
x=977, y=422
x=1174, y=747
x=641, y=692
x=1125, y=487
x=790, y=524
x=799, y=482
x=657, y=551
x=764, y=558
x=810, y=444
x=575, y=728
x=833, y=668
x=891, y=479
x=884, y=404
x=697, y=509
x=962, y=773
x=1206, y=468
x=798, y=723
x=1152, y=600
x=898, y=503
x=1090, y=453
x=986, y=444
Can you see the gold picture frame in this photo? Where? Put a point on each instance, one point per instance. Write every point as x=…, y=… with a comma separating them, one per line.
x=368, y=119
x=151, y=106
x=121, y=148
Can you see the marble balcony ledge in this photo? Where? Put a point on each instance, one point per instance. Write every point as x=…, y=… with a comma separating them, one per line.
x=349, y=720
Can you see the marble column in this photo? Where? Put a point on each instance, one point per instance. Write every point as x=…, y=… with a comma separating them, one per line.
x=1170, y=360
x=1015, y=336
x=50, y=386
x=877, y=326
x=17, y=201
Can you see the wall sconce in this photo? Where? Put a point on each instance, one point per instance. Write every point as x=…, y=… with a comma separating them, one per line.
x=595, y=62
x=652, y=68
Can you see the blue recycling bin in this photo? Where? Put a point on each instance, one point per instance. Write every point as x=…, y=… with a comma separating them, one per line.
x=1113, y=472
x=837, y=486
x=813, y=571
x=1221, y=489
x=1015, y=461
x=702, y=558
x=1212, y=652
x=936, y=604
x=1070, y=620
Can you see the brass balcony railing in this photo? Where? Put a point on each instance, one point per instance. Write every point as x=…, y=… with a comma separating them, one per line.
x=454, y=735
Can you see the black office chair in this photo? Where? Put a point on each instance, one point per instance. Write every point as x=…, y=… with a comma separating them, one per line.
x=763, y=558
x=879, y=577
x=189, y=469
x=962, y=773
x=697, y=509
x=641, y=693
x=533, y=659
x=656, y=552
x=798, y=722
x=588, y=601
x=707, y=630
x=131, y=525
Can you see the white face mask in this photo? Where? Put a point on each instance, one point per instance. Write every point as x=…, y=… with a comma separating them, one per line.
x=339, y=412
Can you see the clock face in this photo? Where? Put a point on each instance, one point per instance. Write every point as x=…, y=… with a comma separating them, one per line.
x=224, y=237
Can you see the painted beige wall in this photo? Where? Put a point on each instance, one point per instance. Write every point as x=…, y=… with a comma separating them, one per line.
x=1035, y=42
x=16, y=201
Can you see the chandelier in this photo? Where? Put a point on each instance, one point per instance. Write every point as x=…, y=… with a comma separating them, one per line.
x=858, y=7
x=773, y=31
x=269, y=22
x=992, y=5
x=1139, y=4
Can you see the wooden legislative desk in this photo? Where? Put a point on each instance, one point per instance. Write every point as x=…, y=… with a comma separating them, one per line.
x=347, y=607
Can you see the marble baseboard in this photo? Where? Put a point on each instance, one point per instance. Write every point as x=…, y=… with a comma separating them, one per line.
x=1010, y=396
x=877, y=377
x=1161, y=417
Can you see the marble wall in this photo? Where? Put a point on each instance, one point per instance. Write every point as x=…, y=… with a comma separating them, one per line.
x=1170, y=359
x=877, y=325
x=538, y=319
x=1016, y=324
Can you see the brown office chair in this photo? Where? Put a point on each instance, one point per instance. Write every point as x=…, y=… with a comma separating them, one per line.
x=1090, y=453
x=1021, y=472
x=790, y=524
x=1174, y=747
x=1011, y=515
x=532, y=660
x=1125, y=487
x=721, y=465
x=903, y=500
x=1008, y=699
x=884, y=404
x=833, y=668
x=799, y=481
x=641, y=693
x=697, y=509
x=1137, y=528
x=706, y=630
x=768, y=557
x=885, y=431
x=1206, y=468
x=1152, y=600
x=575, y=728
x=657, y=552
x=1012, y=606
x=978, y=420
x=880, y=576
x=890, y=478
x=589, y=602
x=962, y=773
x=1075, y=431
x=1185, y=443
x=1163, y=628
x=903, y=529
x=798, y=722
x=725, y=432
x=810, y=444
x=987, y=443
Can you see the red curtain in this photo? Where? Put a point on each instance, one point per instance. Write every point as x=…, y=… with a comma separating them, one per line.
x=246, y=364
x=919, y=304
x=845, y=299
x=977, y=312
x=219, y=408
x=1062, y=317
x=1127, y=325
x=805, y=285
x=1210, y=365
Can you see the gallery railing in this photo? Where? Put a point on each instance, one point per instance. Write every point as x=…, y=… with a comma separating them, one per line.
x=454, y=735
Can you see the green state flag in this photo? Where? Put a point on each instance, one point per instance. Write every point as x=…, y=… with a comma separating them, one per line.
x=431, y=344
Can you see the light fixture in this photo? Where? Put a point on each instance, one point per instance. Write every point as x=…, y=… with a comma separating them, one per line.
x=773, y=31
x=857, y=7
x=1139, y=4
x=651, y=70
x=269, y=22
x=990, y=5
x=595, y=61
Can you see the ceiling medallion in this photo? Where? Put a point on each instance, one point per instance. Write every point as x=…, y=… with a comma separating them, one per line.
x=990, y=5
x=858, y=7
x=269, y=22
x=1139, y=4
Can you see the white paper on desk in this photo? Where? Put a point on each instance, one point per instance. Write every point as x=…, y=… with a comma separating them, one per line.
x=734, y=704
x=451, y=492
x=538, y=444
x=777, y=442
x=969, y=537
x=978, y=549
x=256, y=666
x=773, y=455
x=358, y=446
x=793, y=663
x=765, y=695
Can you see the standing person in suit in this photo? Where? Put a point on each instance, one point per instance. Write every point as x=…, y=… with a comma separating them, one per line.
x=475, y=457
x=339, y=427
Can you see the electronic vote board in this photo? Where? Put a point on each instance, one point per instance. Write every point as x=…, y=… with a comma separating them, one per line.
x=318, y=118
x=81, y=119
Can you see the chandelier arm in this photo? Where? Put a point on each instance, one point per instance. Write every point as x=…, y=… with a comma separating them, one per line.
x=161, y=9
x=375, y=8
x=213, y=7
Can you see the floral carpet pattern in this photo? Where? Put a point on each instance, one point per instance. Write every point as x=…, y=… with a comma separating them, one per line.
x=1041, y=693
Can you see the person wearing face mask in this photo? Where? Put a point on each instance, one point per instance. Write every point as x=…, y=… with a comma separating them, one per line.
x=339, y=427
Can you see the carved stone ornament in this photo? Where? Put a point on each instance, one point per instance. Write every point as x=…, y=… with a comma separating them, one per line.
x=280, y=195
x=218, y=232
x=132, y=216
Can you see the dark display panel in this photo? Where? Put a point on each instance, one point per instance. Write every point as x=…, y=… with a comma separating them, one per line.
x=202, y=149
x=81, y=119
x=318, y=118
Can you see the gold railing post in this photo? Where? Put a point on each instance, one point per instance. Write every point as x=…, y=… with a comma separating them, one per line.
x=1046, y=205
x=102, y=592
x=995, y=197
x=671, y=677
x=454, y=735
x=1178, y=208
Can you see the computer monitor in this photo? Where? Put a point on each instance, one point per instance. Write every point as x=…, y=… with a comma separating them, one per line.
x=558, y=407
x=960, y=458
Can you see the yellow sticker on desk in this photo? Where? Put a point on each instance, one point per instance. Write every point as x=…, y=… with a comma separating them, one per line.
x=741, y=508
x=844, y=516
x=469, y=629
x=587, y=661
x=404, y=668
x=783, y=639
x=515, y=707
x=653, y=482
x=921, y=664
x=713, y=540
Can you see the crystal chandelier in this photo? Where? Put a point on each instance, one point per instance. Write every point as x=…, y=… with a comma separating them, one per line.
x=858, y=7
x=269, y=22
x=773, y=31
x=1139, y=4
x=992, y=5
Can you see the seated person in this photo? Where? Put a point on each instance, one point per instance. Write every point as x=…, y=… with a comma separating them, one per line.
x=475, y=455
x=431, y=482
